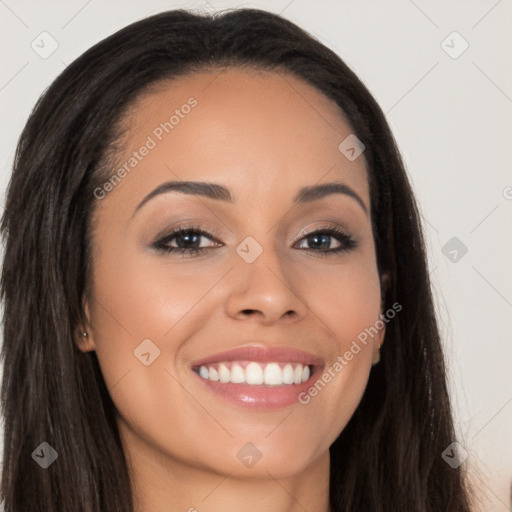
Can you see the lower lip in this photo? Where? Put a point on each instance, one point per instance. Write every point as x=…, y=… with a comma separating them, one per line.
x=259, y=397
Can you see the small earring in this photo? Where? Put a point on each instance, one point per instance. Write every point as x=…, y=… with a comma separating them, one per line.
x=84, y=334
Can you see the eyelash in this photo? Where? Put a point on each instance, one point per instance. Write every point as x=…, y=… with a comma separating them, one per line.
x=347, y=242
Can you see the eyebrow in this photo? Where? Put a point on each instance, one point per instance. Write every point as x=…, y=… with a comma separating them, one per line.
x=221, y=193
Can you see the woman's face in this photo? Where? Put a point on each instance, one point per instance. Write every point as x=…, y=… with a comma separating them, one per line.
x=264, y=301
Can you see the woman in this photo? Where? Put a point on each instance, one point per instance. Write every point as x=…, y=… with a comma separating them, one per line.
x=209, y=235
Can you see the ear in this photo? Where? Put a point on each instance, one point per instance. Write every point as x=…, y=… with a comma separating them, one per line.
x=385, y=281
x=379, y=339
x=84, y=336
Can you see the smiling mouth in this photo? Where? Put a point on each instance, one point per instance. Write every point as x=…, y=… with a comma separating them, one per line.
x=253, y=373
x=258, y=377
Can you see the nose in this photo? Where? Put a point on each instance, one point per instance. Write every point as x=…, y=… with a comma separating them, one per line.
x=263, y=291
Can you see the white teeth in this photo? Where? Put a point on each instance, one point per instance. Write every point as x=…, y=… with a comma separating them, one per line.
x=298, y=374
x=203, y=371
x=255, y=374
x=237, y=374
x=224, y=373
x=288, y=374
x=305, y=373
x=273, y=375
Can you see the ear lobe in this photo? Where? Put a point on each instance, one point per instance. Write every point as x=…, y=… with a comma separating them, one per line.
x=377, y=343
x=84, y=341
x=385, y=281
x=375, y=357
x=84, y=336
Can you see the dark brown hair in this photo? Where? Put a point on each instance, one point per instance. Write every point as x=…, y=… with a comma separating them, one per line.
x=388, y=458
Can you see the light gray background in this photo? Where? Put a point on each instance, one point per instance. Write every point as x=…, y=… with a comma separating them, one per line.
x=452, y=118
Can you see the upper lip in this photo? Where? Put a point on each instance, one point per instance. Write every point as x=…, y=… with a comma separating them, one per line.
x=262, y=354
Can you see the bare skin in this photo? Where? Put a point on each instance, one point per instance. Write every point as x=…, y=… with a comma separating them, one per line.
x=263, y=136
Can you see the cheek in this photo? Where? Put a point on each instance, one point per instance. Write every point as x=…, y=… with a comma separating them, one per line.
x=347, y=301
x=345, y=297
x=136, y=301
x=143, y=306
x=149, y=296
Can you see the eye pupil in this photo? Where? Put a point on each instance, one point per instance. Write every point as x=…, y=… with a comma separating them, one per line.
x=319, y=240
x=188, y=238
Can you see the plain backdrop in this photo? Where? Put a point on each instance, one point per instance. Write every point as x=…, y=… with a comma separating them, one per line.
x=441, y=72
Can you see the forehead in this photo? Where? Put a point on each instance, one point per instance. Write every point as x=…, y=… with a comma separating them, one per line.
x=261, y=133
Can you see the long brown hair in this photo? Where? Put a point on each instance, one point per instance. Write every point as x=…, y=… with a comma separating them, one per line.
x=389, y=456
